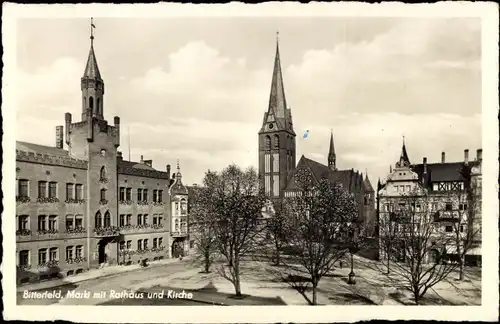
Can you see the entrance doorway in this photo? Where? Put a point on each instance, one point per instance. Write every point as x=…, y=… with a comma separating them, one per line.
x=178, y=247
x=102, y=251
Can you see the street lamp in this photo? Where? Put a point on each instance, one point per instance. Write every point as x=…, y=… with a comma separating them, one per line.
x=352, y=275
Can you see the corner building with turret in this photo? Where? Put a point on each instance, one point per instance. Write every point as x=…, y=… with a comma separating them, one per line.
x=278, y=171
x=83, y=206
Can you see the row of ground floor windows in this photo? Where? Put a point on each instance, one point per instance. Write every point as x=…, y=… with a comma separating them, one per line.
x=142, y=244
x=46, y=255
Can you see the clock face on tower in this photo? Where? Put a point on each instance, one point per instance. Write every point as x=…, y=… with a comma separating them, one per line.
x=271, y=126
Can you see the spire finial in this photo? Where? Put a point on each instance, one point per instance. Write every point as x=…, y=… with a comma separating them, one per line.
x=403, y=140
x=277, y=36
x=92, y=26
x=178, y=166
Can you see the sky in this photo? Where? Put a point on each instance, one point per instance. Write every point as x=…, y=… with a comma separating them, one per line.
x=196, y=89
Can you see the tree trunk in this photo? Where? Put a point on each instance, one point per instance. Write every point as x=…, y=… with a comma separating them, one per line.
x=278, y=260
x=237, y=286
x=461, y=268
x=314, y=300
x=388, y=262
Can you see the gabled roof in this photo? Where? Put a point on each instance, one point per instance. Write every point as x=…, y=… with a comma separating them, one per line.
x=442, y=172
x=368, y=185
x=41, y=149
x=136, y=165
x=348, y=178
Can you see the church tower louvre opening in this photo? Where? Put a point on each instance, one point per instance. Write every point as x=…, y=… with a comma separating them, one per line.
x=276, y=137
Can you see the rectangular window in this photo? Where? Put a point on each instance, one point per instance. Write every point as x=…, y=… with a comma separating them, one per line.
x=103, y=194
x=448, y=229
x=129, y=194
x=42, y=223
x=145, y=222
x=155, y=195
x=435, y=187
x=155, y=219
x=449, y=206
x=79, y=221
x=267, y=162
x=276, y=162
x=24, y=258
x=129, y=245
x=23, y=188
x=145, y=244
x=267, y=184
x=22, y=222
x=52, y=189
x=53, y=254
x=129, y=219
x=69, y=222
x=434, y=206
x=139, y=194
x=69, y=252
x=160, y=241
x=408, y=188
x=52, y=222
x=145, y=194
x=402, y=188
x=139, y=244
x=462, y=207
x=69, y=191
x=155, y=243
x=276, y=185
x=122, y=245
x=160, y=196
x=42, y=189
x=386, y=207
x=42, y=256
x=139, y=219
x=160, y=218
x=461, y=228
x=79, y=191
x=79, y=251
x=122, y=193
x=122, y=220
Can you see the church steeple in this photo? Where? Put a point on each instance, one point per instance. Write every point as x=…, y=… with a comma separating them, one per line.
x=332, y=158
x=92, y=84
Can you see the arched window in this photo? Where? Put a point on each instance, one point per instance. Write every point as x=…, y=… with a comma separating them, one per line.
x=84, y=103
x=268, y=142
x=98, y=220
x=103, y=173
x=98, y=108
x=91, y=103
x=107, y=219
x=183, y=207
x=276, y=141
x=176, y=225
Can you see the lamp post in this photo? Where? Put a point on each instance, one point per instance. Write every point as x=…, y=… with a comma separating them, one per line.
x=352, y=275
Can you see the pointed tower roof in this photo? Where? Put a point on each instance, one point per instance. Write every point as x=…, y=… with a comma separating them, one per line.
x=367, y=184
x=178, y=187
x=403, y=159
x=91, y=69
x=332, y=147
x=277, y=100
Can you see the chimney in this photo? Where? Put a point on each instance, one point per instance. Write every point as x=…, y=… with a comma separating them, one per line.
x=168, y=170
x=67, y=119
x=59, y=137
x=119, y=156
x=466, y=156
x=424, y=175
x=443, y=159
x=117, y=126
x=142, y=159
x=479, y=157
x=148, y=163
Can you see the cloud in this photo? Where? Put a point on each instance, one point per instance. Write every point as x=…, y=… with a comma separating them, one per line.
x=202, y=103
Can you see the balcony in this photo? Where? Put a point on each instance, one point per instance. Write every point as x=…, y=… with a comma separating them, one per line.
x=47, y=200
x=51, y=231
x=141, y=228
x=75, y=201
x=182, y=233
x=76, y=260
x=76, y=231
x=447, y=216
x=107, y=231
x=126, y=202
x=23, y=232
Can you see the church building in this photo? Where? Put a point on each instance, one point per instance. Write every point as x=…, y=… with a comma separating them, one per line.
x=83, y=206
x=278, y=170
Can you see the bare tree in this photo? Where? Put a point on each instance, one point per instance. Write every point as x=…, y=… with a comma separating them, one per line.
x=387, y=237
x=234, y=202
x=321, y=232
x=276, y=229
x=420, y=245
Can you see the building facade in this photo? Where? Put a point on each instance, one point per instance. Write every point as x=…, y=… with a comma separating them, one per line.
x=85, y=206
x=278, y=171
x=452, y=192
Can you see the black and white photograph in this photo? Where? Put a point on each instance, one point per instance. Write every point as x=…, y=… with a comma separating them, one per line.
x=299, y=155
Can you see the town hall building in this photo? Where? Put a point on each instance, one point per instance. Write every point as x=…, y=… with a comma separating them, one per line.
x=84, y=206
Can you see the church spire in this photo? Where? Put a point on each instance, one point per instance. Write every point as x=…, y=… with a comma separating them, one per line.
x=277, y=100
x=332, y=158
x=92, y=85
